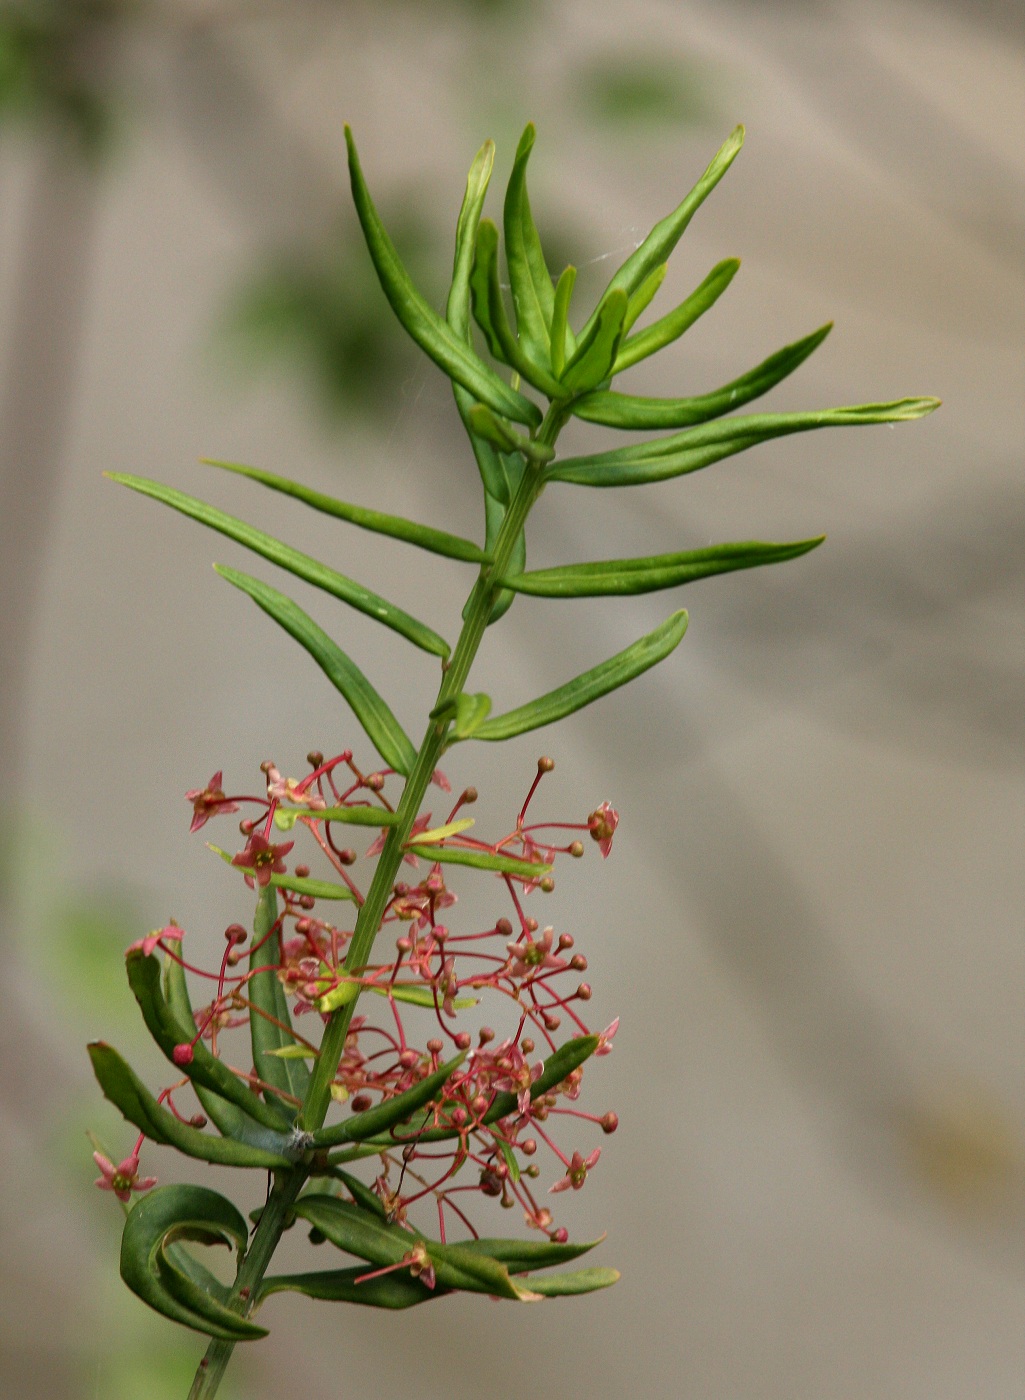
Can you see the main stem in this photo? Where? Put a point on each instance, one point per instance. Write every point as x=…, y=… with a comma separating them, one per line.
x=287, y=1184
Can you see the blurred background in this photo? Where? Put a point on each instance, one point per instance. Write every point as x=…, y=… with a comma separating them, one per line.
x=812, y=922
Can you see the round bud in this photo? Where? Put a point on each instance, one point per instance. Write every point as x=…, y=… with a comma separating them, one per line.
x=528, y=1147
x=485, y=1034
x=546, y=884
x=552, y=1023
x=267, y=765
x=565, y=941
x=527, y=1045
x=610, y=1122
x=463, y=1040
x=182, y=1055
x=435, y=1046
x=246, y=826
x=198, y=1120
x=532, y=1171
x=360, y=1103
x=578, y=962
x=576, y=849
x=469, y=795
x=347, y=856
x=530, y=925
x=408, y=1059
x=314, y=758
x=503, y=927
x=375, y=782
x=545, y=765
x=561, y=1235
x=302, y=871
x=584, y=991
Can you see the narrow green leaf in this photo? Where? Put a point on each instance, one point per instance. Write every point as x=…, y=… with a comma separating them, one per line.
x=596, y=349
x=623, y=576
x=480, y=860
x=385, y=1116
x=229, y=1120
x=419, y=996
x=457, y=312
x=380, y=725
x=471, y=712
x=501, y=435
x=302, y=565
x=168, y=1031
x=670, y=327
x=270, y=1023
x=126, y=1091
x=645, y=294
x=590, y=685
x=354, y=1230
x=490, y=314
x=461, y=824
x=531, y=283
x=397, y=1290
x=395, y=526
x=423, y=323
x=570, y=1284
x=664, y=237
x=700, y=447
x=560, y=321
x=165, y=1277
x=633, y=411
x=286, y=817
x=520, y=1256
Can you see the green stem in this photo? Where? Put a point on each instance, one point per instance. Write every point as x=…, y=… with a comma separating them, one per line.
x=288, y=1184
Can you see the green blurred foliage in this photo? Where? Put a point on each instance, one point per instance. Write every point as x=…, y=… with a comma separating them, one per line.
x=626, y=92
x=52, y=67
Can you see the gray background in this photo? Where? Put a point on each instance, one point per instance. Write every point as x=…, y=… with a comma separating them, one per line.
x=811, y=925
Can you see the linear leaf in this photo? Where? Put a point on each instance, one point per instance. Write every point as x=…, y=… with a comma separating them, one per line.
x=645, y=294
x=384, y=1116
x=126, y=1091
x=624, y=576
x=168, y=1031
x=381, y=727
x=570, y=1284
x=596, y=349
x=357, y=1232
x=634, y=411
x=480, y=860
x=269, y=1020
x=395, y=1290
x=503, y=436
x=590, y=685
x=560, y=321
x=230, y=1120
x=490, y=314
x=302, y=565
x=457, y=311
x=423, y=323
x=700, y=447
x=286, y=817
x=471, y=712
x=670, y=327
x=664, y=237
x=531, y=283
x=395, y=526
x=165, y=1277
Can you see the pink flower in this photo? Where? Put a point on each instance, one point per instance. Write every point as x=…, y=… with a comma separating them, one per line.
x=604, y=1046
x=262, y=859
x=531, y=956
x=171, y=934
x=208, y=801
x=421, y=824
x=439, y=780
x=122, y=1179
x=576, y=1172
x=602, y=824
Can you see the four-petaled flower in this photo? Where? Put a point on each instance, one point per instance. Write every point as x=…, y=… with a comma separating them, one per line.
x=122, y=1179
x=171, y=934
x=576, y=1172
x=531, y=956
x=208, y=801
x=262, y=859
x=602, y=824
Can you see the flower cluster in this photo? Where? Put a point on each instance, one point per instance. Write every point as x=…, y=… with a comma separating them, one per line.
x=492, y=1116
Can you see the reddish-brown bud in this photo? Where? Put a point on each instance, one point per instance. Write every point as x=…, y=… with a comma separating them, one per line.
x=182, y=1055
x=610, y=1122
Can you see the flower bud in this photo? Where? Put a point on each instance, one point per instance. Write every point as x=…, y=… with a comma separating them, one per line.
x=182, y=1055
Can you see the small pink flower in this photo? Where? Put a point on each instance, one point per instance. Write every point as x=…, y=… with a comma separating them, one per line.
x=605, y=1038
x=602, y=824
x=262, y=859
x=171, y=934
x=531, y=956
x=439, y=780
x=208, y=801
x=576, y=1172
x=122, y=1179
x=422, y=823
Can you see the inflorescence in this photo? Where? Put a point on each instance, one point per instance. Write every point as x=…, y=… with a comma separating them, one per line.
x=532, y=975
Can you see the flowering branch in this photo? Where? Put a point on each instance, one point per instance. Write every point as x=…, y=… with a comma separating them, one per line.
x=388, y=1069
